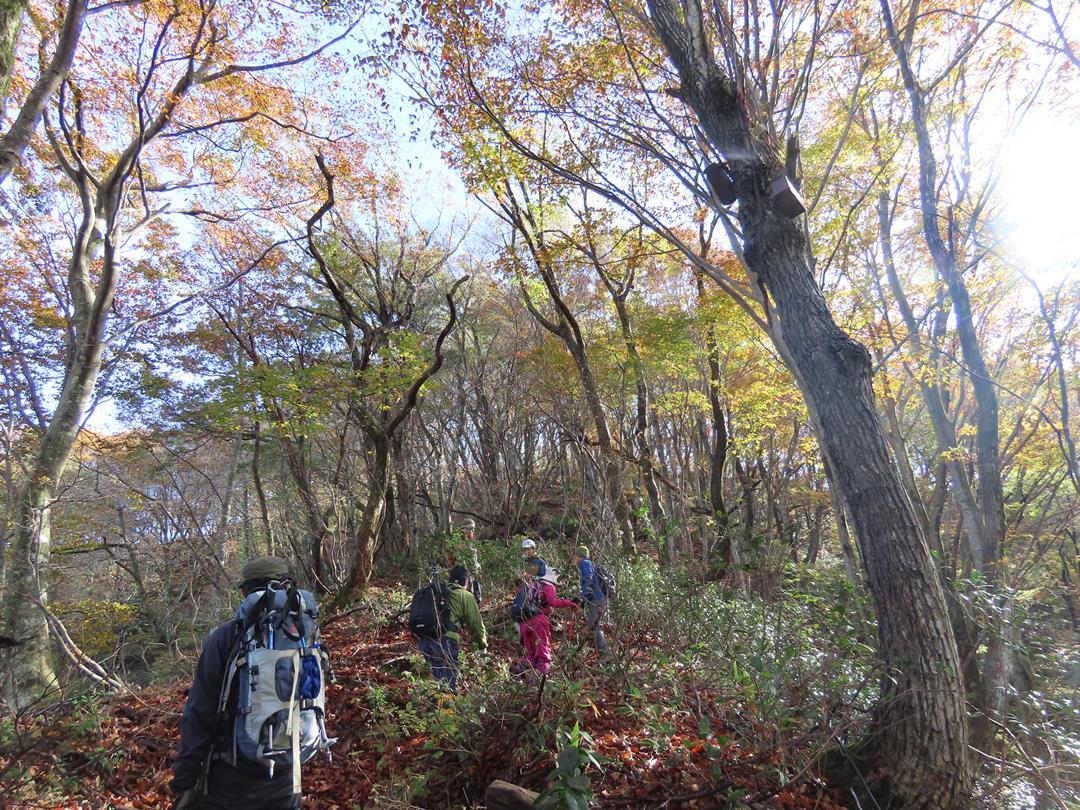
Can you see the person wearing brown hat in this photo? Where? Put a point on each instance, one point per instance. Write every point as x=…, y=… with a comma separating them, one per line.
x=200, y=780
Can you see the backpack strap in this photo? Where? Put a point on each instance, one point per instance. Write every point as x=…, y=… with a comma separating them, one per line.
x=293, y=728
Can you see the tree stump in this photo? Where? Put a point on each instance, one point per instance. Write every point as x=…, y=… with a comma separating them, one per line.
x=505, y=796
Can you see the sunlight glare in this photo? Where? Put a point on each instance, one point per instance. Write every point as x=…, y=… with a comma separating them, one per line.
x=1039, y=188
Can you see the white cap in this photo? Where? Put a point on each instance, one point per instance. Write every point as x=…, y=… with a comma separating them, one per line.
x=550, y=576
x=528, y=542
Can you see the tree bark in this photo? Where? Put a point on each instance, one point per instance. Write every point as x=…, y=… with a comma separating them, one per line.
x=919, y=741
x=31, y=672
x=372, y=513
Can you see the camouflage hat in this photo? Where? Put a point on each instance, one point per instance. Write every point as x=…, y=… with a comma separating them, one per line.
x=261, y=569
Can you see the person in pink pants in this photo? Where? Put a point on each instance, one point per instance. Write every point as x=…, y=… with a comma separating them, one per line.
x=535, y=633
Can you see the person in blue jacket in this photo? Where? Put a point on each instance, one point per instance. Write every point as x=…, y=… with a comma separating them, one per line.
x=593, y=598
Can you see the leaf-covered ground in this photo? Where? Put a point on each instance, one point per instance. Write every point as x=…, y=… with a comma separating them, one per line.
x=401, y=743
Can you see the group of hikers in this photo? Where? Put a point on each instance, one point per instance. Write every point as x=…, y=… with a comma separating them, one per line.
x=439, y=613
x=256, y=707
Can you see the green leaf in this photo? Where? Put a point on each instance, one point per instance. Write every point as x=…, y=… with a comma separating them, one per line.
x=579, y=783
x=568, y=759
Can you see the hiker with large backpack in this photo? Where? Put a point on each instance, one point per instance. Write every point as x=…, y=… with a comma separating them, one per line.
x=437, y=615
x=531, y=608
x=255, y=711
x=596, y=586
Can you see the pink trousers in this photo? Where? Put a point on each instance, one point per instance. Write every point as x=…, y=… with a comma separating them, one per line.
x=536, y=639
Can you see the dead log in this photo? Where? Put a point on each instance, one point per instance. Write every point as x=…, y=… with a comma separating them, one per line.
x=502, y=795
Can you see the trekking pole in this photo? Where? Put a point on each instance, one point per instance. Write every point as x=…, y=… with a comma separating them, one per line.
x=271, y=725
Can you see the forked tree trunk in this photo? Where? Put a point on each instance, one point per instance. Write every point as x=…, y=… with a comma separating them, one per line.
x=16, y=139
x=371, y=518
x=30, y=673
x=31, y=670
x=919, y=747
x=565, y=326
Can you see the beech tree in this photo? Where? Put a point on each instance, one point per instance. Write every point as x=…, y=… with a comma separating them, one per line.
x=375, y=287
x=522, y=215
x=121, y=194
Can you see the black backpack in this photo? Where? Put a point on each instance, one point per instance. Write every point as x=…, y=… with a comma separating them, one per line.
x=429, y=613
x=526, y=603
x=605, y=581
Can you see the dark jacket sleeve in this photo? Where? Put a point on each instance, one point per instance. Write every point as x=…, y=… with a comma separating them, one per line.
x=200, y=711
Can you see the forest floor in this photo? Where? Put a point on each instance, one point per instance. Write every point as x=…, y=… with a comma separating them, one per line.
x=401, y=744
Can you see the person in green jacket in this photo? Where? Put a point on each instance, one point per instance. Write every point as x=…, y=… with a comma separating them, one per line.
x=443, y=653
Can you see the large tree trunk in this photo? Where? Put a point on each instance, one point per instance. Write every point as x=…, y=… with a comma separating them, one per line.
x=30, y=673
x=25, y=584
x=919, y=745
x=371, y=518
x=921, y=740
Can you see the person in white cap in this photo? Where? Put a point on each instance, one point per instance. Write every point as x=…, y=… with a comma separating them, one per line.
x=529, y=553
